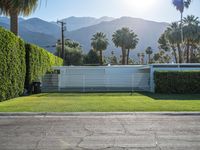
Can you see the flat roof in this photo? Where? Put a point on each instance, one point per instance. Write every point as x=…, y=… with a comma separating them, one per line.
x=184, y=65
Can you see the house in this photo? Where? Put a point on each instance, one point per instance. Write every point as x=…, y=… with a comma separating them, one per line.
x=107, y=78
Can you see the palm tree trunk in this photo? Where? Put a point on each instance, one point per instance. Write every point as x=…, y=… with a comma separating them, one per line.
x=192, y=55
x=14, y=22
x=123, y=55
x=101, y=57
x=128, y=52
x=179, y=53
x=175, y=55
x=188, y=51
x=149, y=58
x=182, y=27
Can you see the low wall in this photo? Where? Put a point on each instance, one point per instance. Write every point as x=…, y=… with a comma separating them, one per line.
x=101, y=79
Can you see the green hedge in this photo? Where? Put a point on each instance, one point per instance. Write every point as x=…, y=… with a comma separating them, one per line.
x=178, y=82
x=39, y=61
x=12, y=65
x=21, y=64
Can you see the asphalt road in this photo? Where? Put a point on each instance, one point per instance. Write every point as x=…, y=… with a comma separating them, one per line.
x=120, y=132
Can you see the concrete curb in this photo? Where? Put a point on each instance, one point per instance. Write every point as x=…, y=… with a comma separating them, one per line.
x=29, y=114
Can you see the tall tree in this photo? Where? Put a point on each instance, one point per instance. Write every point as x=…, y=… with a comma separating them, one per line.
x=132, y=42
x=191, y=36
x=149, y=52
x=173, y=34
x=180, y=6
x=170, y=40
x=14, y=8
x=126, y=39
x=100, y=43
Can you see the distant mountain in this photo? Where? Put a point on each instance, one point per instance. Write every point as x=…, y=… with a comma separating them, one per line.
x=6, y=20
x=4, y=25
x=81, y=29
x=147, y=31
x=35, y=31
x=75, y=23
x=41, y=26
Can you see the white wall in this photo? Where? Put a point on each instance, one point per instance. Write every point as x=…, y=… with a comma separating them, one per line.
x=109, y=77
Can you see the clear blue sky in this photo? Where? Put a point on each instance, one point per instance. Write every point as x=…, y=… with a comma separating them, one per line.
x=156, y=10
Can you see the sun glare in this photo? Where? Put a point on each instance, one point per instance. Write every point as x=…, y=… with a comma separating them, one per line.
x=139, y=5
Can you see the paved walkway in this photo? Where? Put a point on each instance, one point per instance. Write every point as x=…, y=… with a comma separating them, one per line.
x=119, y=132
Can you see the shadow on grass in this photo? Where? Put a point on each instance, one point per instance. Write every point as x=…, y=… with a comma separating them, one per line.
x=79, y=94
x=181, y=97
x=172, y=96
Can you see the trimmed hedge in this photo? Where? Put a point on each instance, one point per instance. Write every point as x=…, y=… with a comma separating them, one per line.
x=38, y=62
x=21, y=64
x=12, y=65
x=177, y=82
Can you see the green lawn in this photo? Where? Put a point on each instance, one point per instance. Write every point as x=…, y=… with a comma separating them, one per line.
x=97, y=102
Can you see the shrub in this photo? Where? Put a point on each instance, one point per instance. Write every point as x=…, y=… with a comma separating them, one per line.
x=178, y=82
x=12, y=65
x=91, y=58
x=38, y=62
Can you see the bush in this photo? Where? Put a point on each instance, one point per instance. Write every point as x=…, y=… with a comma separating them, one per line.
x=91, y=58
x=38, y=62
x=12, y=65
x=177, y=82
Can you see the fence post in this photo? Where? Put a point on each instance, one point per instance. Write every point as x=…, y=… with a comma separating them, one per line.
x=132, y=82
x=83, y=83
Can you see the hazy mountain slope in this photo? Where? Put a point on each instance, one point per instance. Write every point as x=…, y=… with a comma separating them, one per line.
x=4, y=25
x=41, y=26
x=75, y=23
x=45, y=33
x=147, y=31
x=40, y=39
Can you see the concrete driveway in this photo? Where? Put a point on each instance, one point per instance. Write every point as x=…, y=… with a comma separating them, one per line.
x=118, y=132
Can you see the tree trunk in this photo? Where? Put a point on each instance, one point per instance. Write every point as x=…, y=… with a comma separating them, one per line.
x=182, y=27
x=179, y=53
x=101, y=57
x=14, y=22
x=128, y=52
x=192, y=55
x=149, y=58
x=123, y=55
x=175, y=55
x=188, y=51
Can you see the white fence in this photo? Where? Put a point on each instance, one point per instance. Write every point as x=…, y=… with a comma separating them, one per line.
x=109, y=78
x=104, y=79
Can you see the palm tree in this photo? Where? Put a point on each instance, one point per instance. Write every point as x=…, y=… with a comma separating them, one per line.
x=180, y=6
x=100, y=43
x=142, y=58
x=14, y=8
x=191, y=36
x=149, y=52
x=121, y=38
x=173, y=34
x=132, y=42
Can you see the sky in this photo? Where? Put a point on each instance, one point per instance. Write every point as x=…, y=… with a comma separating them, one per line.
x=155, y=10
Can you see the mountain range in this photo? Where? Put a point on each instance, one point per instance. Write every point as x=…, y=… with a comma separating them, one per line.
x=81, y=29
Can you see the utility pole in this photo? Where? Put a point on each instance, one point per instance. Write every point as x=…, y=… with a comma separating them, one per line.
x=63, y=29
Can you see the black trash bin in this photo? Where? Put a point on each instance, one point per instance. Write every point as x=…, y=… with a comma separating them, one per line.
x=36, y=87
